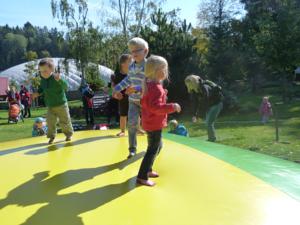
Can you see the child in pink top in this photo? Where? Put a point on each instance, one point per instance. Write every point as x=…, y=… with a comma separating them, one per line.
x=265, y=110
x=154, y=114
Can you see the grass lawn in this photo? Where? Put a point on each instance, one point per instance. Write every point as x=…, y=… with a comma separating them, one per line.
x=254, y=136
x=243, y=129
x=240, y=129
x=19, y=130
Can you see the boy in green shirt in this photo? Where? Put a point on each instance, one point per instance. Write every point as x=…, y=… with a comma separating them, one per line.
x=53, y=88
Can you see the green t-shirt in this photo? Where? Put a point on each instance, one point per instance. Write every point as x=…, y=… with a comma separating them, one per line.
x=53, y=91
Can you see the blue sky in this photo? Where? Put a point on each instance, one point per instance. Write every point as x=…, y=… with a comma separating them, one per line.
x=38, y=12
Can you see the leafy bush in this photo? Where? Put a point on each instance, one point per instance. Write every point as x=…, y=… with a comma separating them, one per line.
x=231, y=102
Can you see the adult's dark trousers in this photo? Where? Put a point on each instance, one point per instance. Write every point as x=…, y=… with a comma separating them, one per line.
x=113, y=110
x=27, y=111
x=154, y=147
x=89, y=115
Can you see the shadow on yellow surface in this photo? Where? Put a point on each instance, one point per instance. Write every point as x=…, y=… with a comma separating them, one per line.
x=67, y=207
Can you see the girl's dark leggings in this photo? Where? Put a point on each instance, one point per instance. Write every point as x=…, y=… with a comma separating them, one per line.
x=154, y=147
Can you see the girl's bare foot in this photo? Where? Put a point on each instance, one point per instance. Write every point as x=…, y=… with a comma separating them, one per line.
x=121, y=134
x=145, y=182
x=153, y=174
x=140, y=132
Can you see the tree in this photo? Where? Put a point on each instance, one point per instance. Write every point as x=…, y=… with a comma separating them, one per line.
x=12, y=83
x=58, y=45
x=15, y=41
x=274, y=30
x=113, y=47
x=31, y=70
x=93, y=77
x=176, y=44
x=132, y=14
x=74, y=17
x=31, y=34
x=221, y=60
x=45, y=54
x=31, y=55
x=202, y=40
x=13, y=48
x=217, y=12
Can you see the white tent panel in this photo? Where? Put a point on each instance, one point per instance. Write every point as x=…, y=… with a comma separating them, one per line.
x=73, y=78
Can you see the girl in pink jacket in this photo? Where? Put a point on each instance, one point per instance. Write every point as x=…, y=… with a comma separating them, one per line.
x=265, y=110
x=154, y=114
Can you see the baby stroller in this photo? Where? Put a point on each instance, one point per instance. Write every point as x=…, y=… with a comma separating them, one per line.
x=14, y=113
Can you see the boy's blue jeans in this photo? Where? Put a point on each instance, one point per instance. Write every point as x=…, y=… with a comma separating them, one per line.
x=134, y=112
x=210, y=119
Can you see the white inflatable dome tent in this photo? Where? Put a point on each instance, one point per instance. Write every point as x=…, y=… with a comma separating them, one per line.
x=17, y=73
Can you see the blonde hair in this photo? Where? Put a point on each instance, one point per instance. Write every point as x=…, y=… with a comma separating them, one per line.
x=154, y=63
x=173, y=123
x=192, y=79
x=140, y=42
x=265, y=98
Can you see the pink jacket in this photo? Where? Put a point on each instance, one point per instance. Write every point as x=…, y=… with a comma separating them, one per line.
x=265, y=109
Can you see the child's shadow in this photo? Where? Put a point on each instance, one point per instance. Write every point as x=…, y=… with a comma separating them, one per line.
x=22, y=148
x=64, y=209
x=56, y=147
x=44, y=147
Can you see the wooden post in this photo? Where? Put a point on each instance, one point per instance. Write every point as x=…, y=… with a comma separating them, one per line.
x=276, y=120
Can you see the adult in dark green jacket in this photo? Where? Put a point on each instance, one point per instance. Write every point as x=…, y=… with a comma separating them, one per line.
x=53, y=88
x=208, y=96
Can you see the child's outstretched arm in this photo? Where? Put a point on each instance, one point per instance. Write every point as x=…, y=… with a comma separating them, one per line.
x=157, y=106
x=126, y=82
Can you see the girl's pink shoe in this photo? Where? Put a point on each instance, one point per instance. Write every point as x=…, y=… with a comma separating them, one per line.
x=153, y=174
x=145, y=182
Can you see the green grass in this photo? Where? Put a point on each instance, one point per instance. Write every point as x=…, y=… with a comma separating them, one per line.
x=243, y=129
x=20, y=130
x=256, y=137
x=75, y=103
